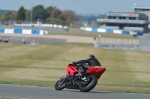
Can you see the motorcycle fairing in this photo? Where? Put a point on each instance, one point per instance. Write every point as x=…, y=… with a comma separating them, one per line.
x=96, y=70
x=71, y=70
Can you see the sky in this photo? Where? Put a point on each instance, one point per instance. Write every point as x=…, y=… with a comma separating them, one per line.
x=79, y=6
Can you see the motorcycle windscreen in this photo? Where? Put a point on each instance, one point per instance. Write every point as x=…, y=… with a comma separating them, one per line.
x=96, y=70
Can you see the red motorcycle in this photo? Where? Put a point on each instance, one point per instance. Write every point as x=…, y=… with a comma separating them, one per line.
x=84, y=83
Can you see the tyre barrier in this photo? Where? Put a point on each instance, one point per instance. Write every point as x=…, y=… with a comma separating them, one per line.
x=4, y=40
x=1, y=40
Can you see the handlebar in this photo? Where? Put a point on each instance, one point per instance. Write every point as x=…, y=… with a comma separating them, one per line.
x=77, y=64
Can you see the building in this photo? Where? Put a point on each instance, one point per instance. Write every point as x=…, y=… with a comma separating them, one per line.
x=137, y=21
x=145, y=10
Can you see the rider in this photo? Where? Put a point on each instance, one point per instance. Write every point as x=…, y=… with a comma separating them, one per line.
x=90, y=61
x=85, y=64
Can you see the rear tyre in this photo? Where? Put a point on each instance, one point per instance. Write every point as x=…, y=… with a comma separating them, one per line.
x=60, y=84
x=89, y=85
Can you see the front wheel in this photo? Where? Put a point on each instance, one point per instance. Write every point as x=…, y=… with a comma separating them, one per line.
x=60, y=84
x=86, y=86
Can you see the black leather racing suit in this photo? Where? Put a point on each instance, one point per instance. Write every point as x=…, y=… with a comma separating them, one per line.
x=85, y=64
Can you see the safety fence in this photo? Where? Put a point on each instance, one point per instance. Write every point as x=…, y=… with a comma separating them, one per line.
x=23, y=31
x=42, y=25
x=111, y=31
x=113, y=42
x=143, y=43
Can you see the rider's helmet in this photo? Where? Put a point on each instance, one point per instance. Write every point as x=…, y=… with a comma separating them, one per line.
x=91, y=56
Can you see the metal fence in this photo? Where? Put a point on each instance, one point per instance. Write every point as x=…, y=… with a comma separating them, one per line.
x=142, y=43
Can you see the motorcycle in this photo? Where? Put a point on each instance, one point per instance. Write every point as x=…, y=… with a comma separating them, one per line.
x=85, y=82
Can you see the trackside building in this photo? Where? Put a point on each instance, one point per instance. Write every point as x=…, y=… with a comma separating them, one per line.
x=137, y=21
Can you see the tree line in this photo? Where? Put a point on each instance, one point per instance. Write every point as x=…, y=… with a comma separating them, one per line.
x=51, y=15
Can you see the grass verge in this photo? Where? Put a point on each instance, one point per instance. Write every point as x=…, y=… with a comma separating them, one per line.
x=44, y=64
x=78, y=32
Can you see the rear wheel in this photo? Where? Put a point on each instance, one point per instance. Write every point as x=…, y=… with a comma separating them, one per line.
x=60, y=84
x=86, y=86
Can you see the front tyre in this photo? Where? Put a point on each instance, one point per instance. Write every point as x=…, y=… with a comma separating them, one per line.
x=89, y=84
x=60, y=84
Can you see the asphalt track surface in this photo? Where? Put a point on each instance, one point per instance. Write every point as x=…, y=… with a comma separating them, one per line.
x=33, y=92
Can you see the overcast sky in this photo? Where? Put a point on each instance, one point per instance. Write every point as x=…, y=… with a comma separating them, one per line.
x=79, y=6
